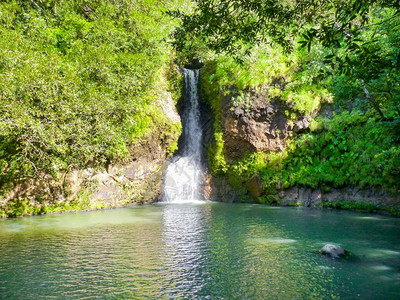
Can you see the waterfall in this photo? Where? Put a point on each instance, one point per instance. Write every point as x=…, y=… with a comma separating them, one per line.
x=183, y=176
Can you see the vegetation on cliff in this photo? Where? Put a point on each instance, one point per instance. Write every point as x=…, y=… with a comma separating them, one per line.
x=343, y=53
x=79, y=83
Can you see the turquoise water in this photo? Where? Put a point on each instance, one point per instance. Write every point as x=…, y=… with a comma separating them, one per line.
x=202, y=251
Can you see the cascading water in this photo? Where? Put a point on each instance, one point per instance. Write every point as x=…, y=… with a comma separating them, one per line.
x=183, y=176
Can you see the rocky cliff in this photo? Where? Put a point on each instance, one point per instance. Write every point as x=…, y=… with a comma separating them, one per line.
x=134, y=181
x=263, y=123
x=254, y=122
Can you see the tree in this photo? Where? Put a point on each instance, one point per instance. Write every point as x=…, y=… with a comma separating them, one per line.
x=358, y=35
x=230, y=25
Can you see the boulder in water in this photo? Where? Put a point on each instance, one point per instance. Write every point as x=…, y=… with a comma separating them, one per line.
x=333, y=251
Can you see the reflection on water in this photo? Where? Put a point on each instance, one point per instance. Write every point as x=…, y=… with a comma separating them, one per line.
x=207, y=251
x=184, y=245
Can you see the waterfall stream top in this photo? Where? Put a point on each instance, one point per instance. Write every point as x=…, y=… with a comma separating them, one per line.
x=184, y=175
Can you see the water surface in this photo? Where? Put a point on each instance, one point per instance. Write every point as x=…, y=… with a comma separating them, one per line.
x=197, y=250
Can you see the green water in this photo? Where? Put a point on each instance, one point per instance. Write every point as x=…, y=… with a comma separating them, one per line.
x=202, y=251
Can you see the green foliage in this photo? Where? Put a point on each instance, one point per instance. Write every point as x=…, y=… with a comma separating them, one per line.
x=210, y=93
x=359, y=206
x=236, y=26
x=19, y=207
x=349, y=150
x=175, y=81
x=264, y=66
x=355, y=68
x=22, y=207
x=79, y=81
x=173, y=130
x=360, y=41
x=266, y=199
x=370, y=72
x=362, y=206
x=289, y=77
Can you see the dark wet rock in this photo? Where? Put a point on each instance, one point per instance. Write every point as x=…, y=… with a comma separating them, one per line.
x=239, y=112
x=265, y=125
x=300, y=197
x=316, y=198
x=307, y=197
x=304, y=197
x=334, y=195
x=326, y=110
x=288, y=196
x=332, y=250
x=254, y=186
x=302, y=124
x=219, y=189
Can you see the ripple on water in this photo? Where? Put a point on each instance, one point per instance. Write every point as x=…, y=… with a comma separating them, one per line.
x=380, y=268
x=369, y=218
x=277, y=240
x=207, y=251
x=381, y=253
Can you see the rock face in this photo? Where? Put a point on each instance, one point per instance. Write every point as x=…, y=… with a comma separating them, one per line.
x=135, y=181
x=138, y=181
x=313, y=198
x=219, y=189
x=264, y=126
x=301, y=197
x=333, y=250
x=254, y=186
x=258, y=122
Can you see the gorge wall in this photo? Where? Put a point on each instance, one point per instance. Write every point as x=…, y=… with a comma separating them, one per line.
x=266, y=124
x=134, y=181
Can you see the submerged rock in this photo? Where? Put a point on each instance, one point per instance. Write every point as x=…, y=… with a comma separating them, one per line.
x=333, y=250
